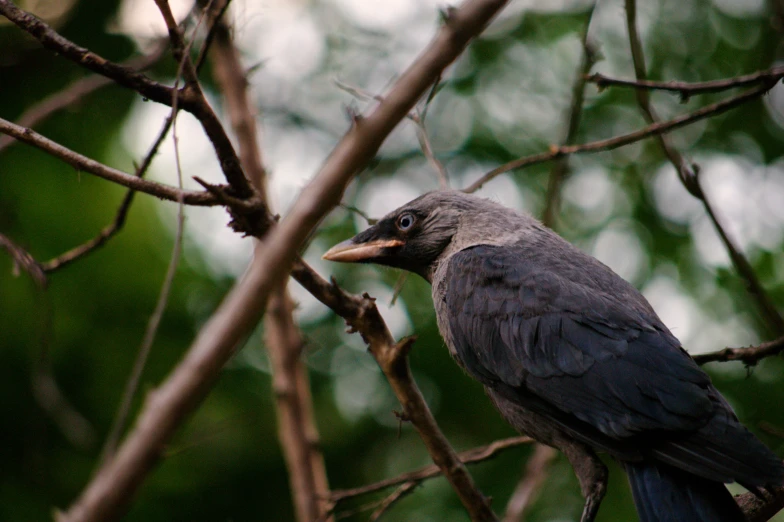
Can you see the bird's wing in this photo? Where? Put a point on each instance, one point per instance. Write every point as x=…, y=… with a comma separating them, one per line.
x=520, y=328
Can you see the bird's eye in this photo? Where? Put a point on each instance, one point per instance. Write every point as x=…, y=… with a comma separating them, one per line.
x=405, y=222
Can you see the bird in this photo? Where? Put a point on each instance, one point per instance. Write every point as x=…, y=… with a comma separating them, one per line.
x=572, y=355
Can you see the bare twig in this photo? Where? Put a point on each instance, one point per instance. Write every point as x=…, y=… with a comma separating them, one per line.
x=750, y=355
x=561, y=165
x=76, y=92
x=119, y=219
x=689, y=176
x=132, y=385
x=471, y=456
x=688, y=89
x=770, y=313
x=360, y=213
x=530, y=484
x=23, y=260
x=427, y=150
x=416, y=116
x=624, y=139
x=48, y=394
x=50, y=39
x=85, y=164
x=424, y=139
x=388, y=502
x=215, y=11
x=180, y=49
x=110, y=491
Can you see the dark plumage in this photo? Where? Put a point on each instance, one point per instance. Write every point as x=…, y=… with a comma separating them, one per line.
x=572, y=355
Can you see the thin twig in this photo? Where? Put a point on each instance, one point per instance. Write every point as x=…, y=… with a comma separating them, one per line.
x=471, y=456
x=50, y=39
x=427, y=150
x=23, y=260
x=689, y=176
x=361, y=213
x=750, y=355
x=119, y=219
x=528, y=488
x=561, y=165
x=624, y=139
x=416, y=116
x=389, y=501
x=150, y=333
x=770, y=313
x=688, y=89
x=77, y=91
x=424, y=139
x=398, y=288
x=72, y=424
x=215, y=12
x=85, y=164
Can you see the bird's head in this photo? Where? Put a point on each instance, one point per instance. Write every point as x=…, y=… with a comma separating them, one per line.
x=416, y=235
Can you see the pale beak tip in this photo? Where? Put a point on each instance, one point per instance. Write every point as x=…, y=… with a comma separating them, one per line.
x=334, y=253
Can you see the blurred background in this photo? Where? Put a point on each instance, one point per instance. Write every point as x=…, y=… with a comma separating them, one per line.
x=507, y=96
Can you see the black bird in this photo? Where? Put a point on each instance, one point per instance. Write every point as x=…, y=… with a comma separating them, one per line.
x=572, y=355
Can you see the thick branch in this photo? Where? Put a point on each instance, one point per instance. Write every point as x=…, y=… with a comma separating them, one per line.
x=296, y=428
x=109, y=493
x=625, y=139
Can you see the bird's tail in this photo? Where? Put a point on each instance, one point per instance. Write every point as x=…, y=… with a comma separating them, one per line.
x=663, y=493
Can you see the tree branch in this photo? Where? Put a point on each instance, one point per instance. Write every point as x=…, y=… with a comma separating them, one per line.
x=53, y=41
x=297, y=431
x=85, y=164
x=387, y=503
x=76, y=92
x=110, y=491
x=471, y=456
x=624, y=139
x=561, y=165
x=119, y=219
x=688, y=89
x=530, y=484
x=689, y=176
x=22, y=259
x=750, y=355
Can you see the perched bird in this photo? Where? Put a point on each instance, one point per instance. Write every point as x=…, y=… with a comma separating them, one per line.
x=572, y=355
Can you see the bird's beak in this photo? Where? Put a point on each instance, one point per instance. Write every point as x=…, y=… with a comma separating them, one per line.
x=350, y=251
